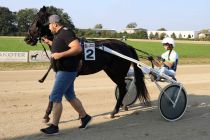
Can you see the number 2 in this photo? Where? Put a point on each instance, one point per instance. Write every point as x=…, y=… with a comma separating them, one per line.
x=89, y=53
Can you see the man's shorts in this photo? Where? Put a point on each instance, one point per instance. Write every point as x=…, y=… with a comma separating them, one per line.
x=63, y=85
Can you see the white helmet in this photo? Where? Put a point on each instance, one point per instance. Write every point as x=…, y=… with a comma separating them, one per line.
x=168, y=40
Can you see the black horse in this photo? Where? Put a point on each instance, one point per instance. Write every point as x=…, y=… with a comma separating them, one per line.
x=115, y=67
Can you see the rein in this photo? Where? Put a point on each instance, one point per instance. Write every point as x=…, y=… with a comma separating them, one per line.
x=148, y=56
x=146, y=53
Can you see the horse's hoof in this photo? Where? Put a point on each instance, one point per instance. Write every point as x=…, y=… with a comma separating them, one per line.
x=125, y=108
x=46, y=120
x=111, y=116
x=147, y=103
x=108, y=116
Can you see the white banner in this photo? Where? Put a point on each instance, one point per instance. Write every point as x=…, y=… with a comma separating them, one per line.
x=13, y=56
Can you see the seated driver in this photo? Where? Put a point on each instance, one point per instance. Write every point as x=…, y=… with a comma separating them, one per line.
x=169, y=59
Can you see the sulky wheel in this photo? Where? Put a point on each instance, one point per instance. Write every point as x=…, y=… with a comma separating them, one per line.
x=173, y=102
x=131, y=94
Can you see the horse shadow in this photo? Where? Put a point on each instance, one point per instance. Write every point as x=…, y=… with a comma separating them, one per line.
x=142, y=123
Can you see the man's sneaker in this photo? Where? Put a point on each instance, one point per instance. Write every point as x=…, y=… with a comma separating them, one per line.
x=51, y=130
x=85, y=121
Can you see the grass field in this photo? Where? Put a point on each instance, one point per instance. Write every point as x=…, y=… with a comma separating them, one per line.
x=189, y=53
x=185, y=50
x=16, y=44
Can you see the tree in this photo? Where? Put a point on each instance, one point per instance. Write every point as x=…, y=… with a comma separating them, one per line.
x=142, y=35
x=161, y=29
x=204, y=31
x=156, y=35
x=173, y=35
x=151, y=35
x=98, y=26
x=131, y=25
x=162, y=35
x=65, y=18
x=25, y=18
x=7, y=21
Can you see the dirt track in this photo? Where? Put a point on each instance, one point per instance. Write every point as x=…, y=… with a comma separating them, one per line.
x=23, y=101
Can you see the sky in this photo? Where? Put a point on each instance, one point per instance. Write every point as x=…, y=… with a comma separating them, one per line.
x=174, y=15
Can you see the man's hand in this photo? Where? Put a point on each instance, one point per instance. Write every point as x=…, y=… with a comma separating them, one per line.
x=159, y=58
x=57, y=56
x=47, y=41
x=150, y=58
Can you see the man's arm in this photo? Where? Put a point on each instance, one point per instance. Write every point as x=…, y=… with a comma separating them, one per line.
x=160, y=63
x=157, y=63
x=169, y=64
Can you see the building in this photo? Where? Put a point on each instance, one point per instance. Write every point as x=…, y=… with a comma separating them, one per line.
x=203, y=35
x=178, y=34
x=133, y=30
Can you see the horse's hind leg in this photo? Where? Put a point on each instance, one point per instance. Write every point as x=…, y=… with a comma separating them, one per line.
x=122, y=92
x=46, y=117
x=120, y=81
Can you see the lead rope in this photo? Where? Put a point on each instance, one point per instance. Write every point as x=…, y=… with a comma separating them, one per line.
x=50, y=67
x=44, y=49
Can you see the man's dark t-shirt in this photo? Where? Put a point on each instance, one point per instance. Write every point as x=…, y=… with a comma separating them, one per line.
x=60, y=44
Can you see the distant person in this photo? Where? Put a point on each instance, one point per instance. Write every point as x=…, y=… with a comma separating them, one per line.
x=169, y=59
x=64, y=48
x=123, y=38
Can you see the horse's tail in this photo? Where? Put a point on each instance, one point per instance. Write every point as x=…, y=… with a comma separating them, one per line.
x=141, y=88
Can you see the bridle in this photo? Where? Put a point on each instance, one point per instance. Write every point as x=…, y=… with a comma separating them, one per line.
x=34, y=36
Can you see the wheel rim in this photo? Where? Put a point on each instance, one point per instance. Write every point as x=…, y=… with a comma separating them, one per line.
x=167, y=110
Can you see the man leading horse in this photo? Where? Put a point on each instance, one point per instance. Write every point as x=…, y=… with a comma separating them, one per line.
x=64, y=48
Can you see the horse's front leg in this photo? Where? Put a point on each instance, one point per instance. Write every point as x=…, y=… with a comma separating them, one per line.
x=46, y=117
x=122, y=92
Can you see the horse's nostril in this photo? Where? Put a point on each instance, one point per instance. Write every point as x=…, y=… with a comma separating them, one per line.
x=27, y=39
x=33, y=44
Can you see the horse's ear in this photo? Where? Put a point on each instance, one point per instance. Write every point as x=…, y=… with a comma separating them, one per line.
x=43, y=9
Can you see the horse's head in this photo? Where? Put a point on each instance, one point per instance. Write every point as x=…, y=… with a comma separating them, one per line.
x=38, y=28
